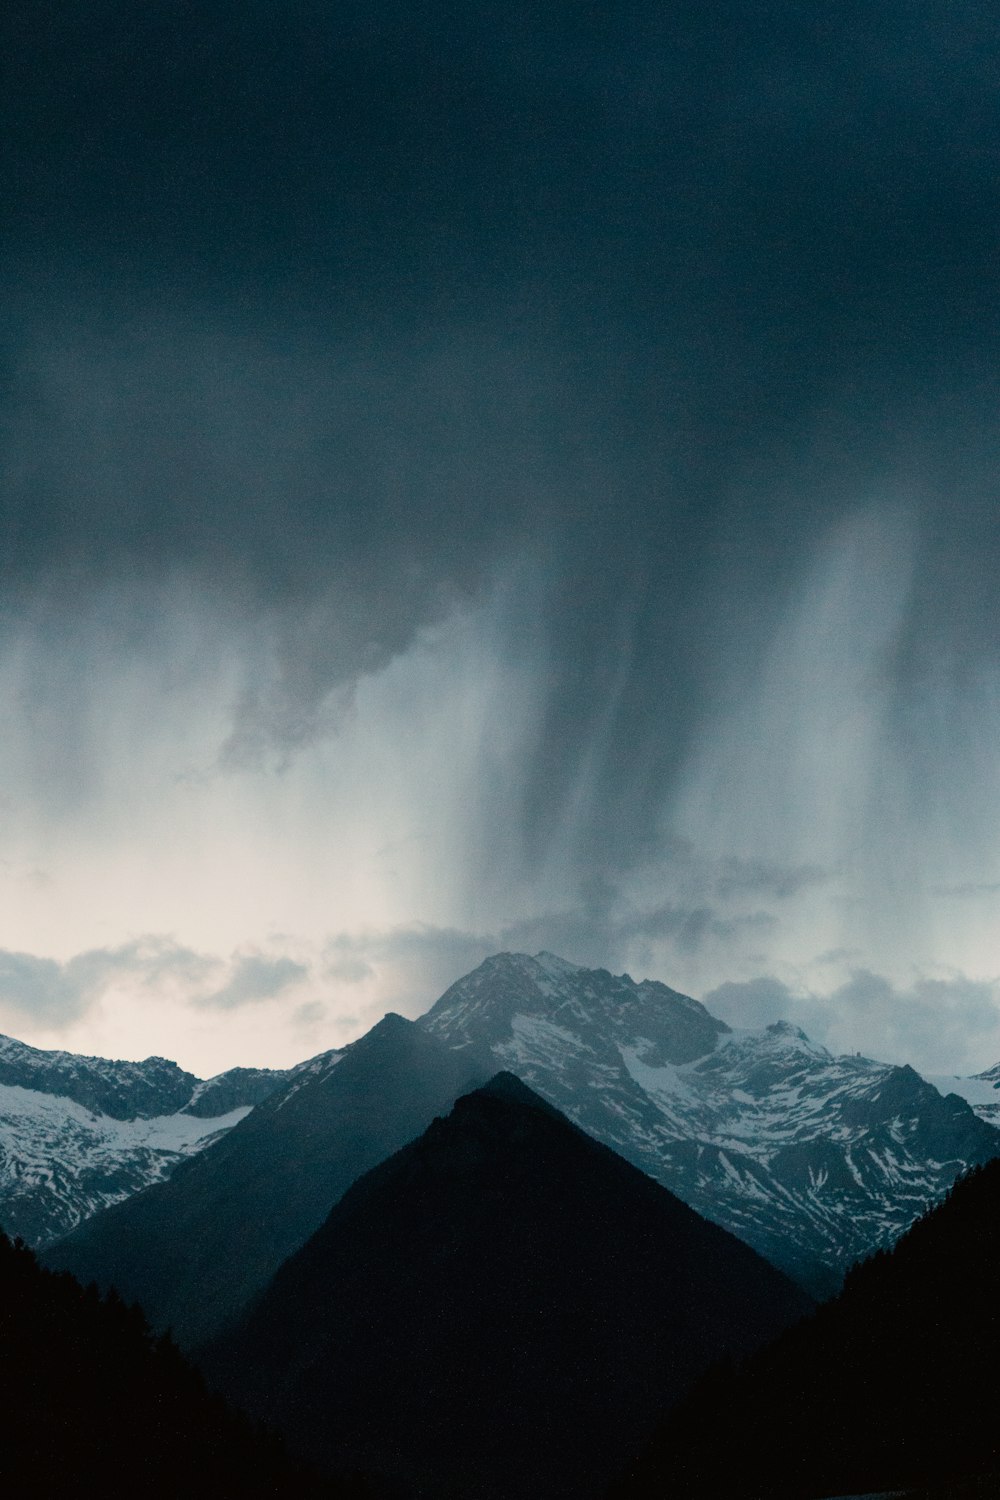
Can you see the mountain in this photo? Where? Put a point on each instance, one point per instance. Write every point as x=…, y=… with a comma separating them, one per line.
x=812, y=1159
x=497, y=1311
x=90, y=1404
x=981, y=1092
x=80, y=1133
x=131, y=1090
x=194, y=1249
x=891, y=1386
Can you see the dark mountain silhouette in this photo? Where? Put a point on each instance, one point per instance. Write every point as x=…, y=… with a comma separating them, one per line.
x=894, y=1385
x=498, y=1310
x=812, y=1159
x=91, y=1404
x=194, y=1249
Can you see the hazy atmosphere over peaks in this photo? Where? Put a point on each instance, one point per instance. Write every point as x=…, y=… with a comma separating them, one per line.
x=486, y=476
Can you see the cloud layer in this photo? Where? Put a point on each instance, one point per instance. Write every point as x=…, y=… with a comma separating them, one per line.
x=556, y=446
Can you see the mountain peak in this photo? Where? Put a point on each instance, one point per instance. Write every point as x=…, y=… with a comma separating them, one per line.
x=554, y=964
x=508, y=1086
x=504, y=1229
x=391, y=1024
x=784, y=1133
x=512, y=994
x=786, y=1028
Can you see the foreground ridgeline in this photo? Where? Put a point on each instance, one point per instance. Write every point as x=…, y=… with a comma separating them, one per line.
x=500, y=1310
x=892, y=1386
x=91, y=1404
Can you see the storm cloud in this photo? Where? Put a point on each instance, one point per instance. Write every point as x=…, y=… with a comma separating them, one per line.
x=618, y=381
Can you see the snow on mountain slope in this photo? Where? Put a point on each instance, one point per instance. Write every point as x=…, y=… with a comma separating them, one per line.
x=813, y=1159
x=59, y=1163
x=79, y=1133
x=981, y=1091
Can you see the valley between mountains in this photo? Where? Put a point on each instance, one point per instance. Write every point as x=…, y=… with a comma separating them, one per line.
x=547, y=1206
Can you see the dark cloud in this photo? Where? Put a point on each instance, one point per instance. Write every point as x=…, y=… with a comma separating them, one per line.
x=333, y=311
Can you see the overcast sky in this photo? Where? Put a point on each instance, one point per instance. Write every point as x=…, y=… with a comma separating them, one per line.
x=498, y=475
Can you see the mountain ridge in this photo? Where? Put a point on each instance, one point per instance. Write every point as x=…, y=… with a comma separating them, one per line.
x=496, y=1310
x=125, y=1090
x=79, y=1133
x=813, y=1159
x=195, y=1248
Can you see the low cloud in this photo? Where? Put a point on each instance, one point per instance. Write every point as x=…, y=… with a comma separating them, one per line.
x=39, y=987
x=254, y=977
x=953, y=1018
x=51, y=993
x=413, y=964
x=612, y=936
x=752, y=1002
x=934, y=1024
x=409, y=966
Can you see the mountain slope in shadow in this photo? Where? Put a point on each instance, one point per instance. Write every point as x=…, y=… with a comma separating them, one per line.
x=894, y=1385
x=499, y=1310
x=195, y=1249
x=91, y=1404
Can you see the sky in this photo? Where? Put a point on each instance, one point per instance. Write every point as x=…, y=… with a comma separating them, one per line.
x=484, y=476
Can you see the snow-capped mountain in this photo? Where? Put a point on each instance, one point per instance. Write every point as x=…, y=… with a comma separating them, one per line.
x=812, y=1159
x=981, y=1091
x=79, y=1133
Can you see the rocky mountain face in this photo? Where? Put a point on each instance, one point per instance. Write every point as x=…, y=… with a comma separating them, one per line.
x=194, y=1249
x=812, y=1159
x=499, y=1310
x=80, y=1133
x=132, y=1090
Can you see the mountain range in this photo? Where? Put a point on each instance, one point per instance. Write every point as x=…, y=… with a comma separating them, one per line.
x=814, y=1160
x=78, y=1134
x=474, y=1255
x=500, y=1310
